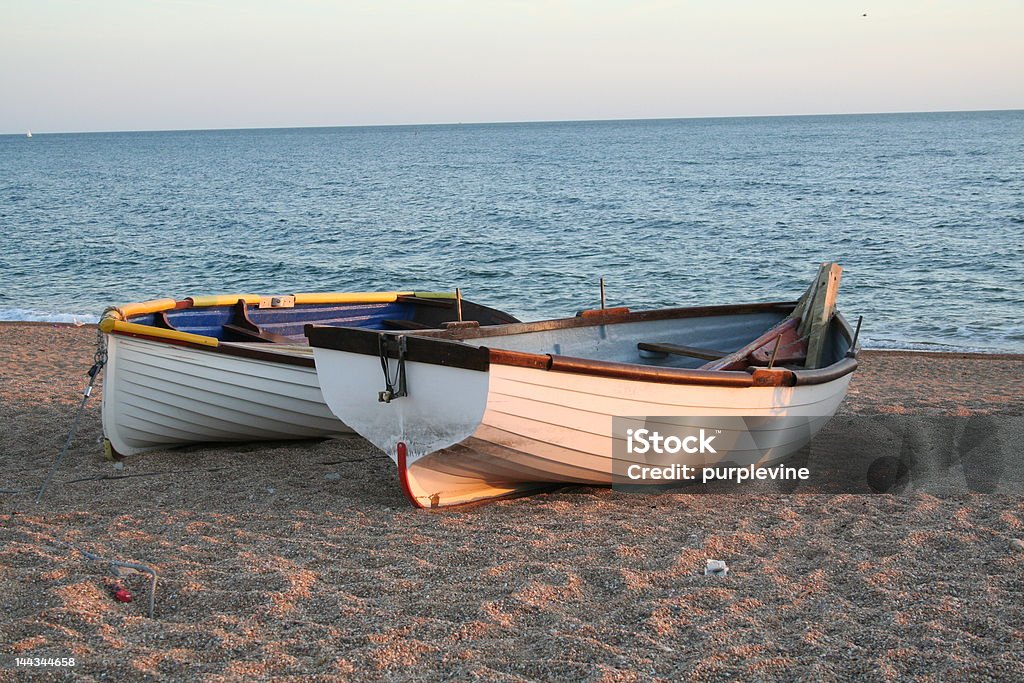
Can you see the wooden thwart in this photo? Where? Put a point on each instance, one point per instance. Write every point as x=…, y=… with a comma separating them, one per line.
x=256, y=335
x=243, y=326
x=160, y=320
x=679, y=350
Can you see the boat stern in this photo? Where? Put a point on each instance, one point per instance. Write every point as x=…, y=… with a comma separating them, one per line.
x=392, y=388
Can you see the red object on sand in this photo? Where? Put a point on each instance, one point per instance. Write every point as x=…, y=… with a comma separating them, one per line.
x=121, y=594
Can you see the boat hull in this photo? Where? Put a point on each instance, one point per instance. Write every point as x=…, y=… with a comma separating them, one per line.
x=541, y=428
x=158, y=395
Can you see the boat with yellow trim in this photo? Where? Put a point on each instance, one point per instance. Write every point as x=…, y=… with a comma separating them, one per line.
x=237, y=367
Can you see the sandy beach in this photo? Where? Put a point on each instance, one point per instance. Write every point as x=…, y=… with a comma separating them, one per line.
x=304, y=559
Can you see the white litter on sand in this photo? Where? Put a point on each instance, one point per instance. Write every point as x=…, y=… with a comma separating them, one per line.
x=716, y=568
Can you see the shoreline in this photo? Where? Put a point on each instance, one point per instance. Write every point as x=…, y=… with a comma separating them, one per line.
x=865, y=352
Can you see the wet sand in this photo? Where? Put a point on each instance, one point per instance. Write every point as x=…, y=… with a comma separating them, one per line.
x=305, y=559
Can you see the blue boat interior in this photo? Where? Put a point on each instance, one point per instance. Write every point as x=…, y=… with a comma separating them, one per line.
x=226, y=323
x=241, y=322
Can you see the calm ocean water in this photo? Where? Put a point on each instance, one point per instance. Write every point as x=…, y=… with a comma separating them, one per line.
x=925, y=212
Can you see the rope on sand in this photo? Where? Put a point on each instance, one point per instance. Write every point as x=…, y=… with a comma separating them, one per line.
x=99, y=360
x=71, y=435
x=114, y=566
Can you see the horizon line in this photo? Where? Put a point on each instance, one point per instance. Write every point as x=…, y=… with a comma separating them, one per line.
x=508, y=122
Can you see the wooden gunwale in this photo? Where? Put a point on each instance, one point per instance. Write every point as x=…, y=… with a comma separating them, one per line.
x=826, y=374
x=226, y=348
x=680, y=350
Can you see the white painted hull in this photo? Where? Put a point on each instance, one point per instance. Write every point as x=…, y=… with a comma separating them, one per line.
x=158, y=395
x=471, y=435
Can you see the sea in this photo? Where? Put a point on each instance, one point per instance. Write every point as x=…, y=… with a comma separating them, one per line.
x=925, y=212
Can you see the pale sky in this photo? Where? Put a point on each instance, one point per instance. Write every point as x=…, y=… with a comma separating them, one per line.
x=83, y=65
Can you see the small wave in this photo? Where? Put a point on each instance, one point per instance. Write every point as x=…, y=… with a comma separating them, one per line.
x=898, y=345
x=32, y=315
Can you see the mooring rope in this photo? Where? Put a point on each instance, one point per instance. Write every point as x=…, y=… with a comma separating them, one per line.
x=113, y=566
x=99, y=360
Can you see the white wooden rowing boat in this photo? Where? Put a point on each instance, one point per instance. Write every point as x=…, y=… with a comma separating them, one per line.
x=226, y=368
x=157, y=395
x=491, y=412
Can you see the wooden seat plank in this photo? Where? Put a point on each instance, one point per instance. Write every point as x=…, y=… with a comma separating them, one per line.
x=680, y=350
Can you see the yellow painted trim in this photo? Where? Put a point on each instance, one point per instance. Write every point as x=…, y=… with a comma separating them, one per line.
x=109, y=325
x=435, y=295
x=348, y=297
x=131, y=310
x=222, y=299
x=144, y=307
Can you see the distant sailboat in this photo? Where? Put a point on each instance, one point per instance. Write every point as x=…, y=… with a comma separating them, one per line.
x=29, y=133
